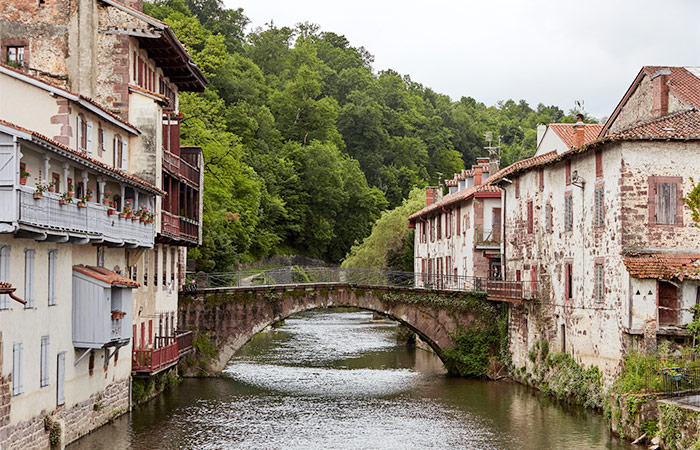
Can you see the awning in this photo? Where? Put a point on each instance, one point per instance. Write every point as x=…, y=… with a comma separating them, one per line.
x=664, y=266
x=106, y=276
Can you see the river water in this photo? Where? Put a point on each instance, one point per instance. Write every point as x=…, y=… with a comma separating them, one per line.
x=335, y=379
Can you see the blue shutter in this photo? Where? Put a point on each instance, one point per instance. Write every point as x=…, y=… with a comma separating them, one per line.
x=17, y=368
x=53, y=255
x=60, y=378
x=29, y=278
x=44, y=361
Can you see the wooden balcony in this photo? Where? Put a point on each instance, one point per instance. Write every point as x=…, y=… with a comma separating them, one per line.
x=69, y=223
x=177, y=228
x=181, y=169
x=165, y=354
x=511, y=291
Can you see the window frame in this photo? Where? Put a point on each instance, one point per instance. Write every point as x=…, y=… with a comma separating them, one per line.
x=653, y=182
x=599, y=206
x=568, y=212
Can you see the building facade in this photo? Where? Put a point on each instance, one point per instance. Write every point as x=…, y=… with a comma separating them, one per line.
x=98, y=137
x=603, y=233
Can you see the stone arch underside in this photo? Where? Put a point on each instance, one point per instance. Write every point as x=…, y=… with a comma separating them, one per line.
x=232, y=317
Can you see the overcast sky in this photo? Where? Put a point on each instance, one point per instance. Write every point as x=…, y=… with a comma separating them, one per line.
x=551, y=52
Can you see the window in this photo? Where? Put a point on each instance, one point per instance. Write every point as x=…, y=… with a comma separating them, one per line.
x=100, y=140
x=529, y=217
x=666, y=204
x=100, y=256
x=82, y=134
x=517, y=187
x=599, y=218
x=60, y=378
x=541, y=177
x=173, y=264
x=548, y=218
x=459, y=220
x=448, y=224
x=569, y=281
x=599, y=283
x=15, y=55
x=439, y=226
x=4, y=274
x=118, y=152
x=56, y=179
x=44, y=361
x=145, y=267
x=53, y=256
x=165, y=268
x=496, y=224
x=16, y=368
x=29, y=278
x=568, y=172
x=598, y=163
x=155, y=266
x=568, y=212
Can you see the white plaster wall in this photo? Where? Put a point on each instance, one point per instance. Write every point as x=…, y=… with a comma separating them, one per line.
x=550, y=142
x=29, y=325
x=20, y=103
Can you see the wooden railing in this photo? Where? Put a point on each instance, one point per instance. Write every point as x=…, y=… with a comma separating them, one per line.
x=171, y=162
x=184, y=342
x=189, y=172
x=153, y=359
x=170, y=223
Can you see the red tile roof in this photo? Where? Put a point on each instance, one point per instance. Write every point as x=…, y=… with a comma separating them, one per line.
x=682, y=82
x=84, y=156
x=521, y=165
x=70, y=93
x=459, y=196
x=565, y=131
x=106, y=276
x=679, y=125
x=663, y=266
x=5, y=285
x=162, y=98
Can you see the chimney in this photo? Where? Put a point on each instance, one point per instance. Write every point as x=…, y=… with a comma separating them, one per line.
x=579, y=127
x=659, y=89
x=477, y=175
x=482, y=160
x=135, y=4
x=541, y=128
x=432, y=194
x=494, y=163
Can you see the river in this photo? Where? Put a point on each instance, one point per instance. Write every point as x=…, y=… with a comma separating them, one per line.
x=335, y=379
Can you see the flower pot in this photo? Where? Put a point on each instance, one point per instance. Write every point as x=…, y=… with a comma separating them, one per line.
x=82, y=205
x=70, y=194
x=22, y=181
x=122, y=215
x=38, y=195
x=142, y=219
x=62, y=202
x=134, y=218
x=110, y=211
x=88, y=197
x=51, y=189
x=128, y=215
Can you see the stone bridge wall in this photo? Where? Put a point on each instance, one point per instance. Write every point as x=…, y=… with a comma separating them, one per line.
x=232, y=316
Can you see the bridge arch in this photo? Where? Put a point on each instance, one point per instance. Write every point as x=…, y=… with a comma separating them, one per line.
x=232, y=316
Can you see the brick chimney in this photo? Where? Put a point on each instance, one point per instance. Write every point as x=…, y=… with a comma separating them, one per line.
x=579, y=127
x=477, y=175
x=136, y=4
x=432, y=194
x=659, y=89
x=494, y=163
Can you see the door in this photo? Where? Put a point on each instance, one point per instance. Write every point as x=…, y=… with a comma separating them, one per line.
x=669, y=304
x=60, y=379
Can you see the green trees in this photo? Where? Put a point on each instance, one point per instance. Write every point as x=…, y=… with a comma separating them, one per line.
x=304, y=145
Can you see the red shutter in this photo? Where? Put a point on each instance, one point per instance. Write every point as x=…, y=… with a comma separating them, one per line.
x=143, y=334
x=150, y=331
x=529, y=217
x=568, y=172
x=133, y=333
x=598, y=163
x=175, y=138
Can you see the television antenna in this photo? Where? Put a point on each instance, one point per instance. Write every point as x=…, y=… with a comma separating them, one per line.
x=494, y=151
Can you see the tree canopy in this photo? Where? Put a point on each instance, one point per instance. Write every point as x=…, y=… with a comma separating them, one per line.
x=305, y=144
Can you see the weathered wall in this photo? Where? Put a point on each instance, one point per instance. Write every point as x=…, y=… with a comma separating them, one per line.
x=233, y=316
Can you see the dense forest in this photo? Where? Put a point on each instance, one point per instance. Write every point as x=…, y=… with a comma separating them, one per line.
x=305, y=144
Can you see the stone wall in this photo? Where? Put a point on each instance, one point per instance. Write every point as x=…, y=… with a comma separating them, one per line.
x=231, y=317
x=69, y=423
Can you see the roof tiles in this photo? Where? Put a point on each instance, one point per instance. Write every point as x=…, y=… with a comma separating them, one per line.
x=106, y=276
x=663, y=266
x=565, y=131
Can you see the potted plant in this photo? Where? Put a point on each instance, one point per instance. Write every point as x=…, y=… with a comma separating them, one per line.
x=116, y=314
x=127, y=209
x=52, y=185
x=41, y=187
x=111, y=207
x=81, y=202
x=88, y=195
x=70, y=190
x=66, y=198
x=23, y=176
x=106, y=198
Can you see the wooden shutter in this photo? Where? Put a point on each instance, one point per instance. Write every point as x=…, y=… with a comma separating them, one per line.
x=44, y=361
x=4, y=274
x=60, y=378
x=530, y=219
x=29, y=278
x=598, y=283
x=568, y=219
x=599, y=209
x=548, y=218
x=116, y=162
x=125, y=155
x=53, y=254
x=89, y=138
x=17, y=368
x=78, y=134
x=459, y=220
x=666, y=203
x=496, y=224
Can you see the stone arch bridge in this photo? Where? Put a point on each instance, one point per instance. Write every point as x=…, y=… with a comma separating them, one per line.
x=232, y=313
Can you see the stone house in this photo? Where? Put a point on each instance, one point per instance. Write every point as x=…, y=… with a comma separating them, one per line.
x=602, y=231
x=100, y=81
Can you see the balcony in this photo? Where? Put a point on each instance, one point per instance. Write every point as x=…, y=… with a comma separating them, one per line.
x=512, y=291
x=165, y=354
x=178, y=228
x=487, y=239
x=181, y=169
x=69, y=223
x=171, y=163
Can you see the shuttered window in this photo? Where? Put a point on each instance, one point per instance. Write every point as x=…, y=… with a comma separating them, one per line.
x=599, y=283
x=459, y=220
x=17, y=368
x=60, y=378
x=599, y=207
x=530, y=218
x=666, y=203
x=44, y=361
x=5, y=274
x=548, y=218
x=53, y=257
x=568, y=213
x=29, y=278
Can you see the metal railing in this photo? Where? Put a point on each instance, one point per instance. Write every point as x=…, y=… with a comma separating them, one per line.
x=294, y=275
x=678, y=380
x=487, y=238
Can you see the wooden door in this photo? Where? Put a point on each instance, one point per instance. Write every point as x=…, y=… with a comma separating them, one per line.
x=669, y=304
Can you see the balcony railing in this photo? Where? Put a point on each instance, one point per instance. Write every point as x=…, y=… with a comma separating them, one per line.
x=178, y=227
x=153, y=360
x=189, y=172
x=171, y=162
x=487, y=238
x=92, y=222
x=184, y=342
x=180, y=168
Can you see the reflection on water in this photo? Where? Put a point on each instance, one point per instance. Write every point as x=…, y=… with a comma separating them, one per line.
x=334, y=379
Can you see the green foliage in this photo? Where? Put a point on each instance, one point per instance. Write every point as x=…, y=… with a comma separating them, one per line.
x=650, y=428
x=470, y=356
x=141, y=389
x=390, y=245
x=204, y=347
x=304, y=144
x=672, y=418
